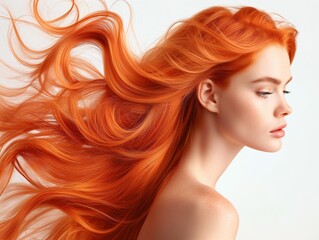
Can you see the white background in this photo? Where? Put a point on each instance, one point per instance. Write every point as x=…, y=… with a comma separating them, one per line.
x=276, y=194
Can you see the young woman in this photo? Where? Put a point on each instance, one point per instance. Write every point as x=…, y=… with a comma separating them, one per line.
x=135, y=151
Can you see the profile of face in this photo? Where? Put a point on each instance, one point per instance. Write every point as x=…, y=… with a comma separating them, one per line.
x=252, y=109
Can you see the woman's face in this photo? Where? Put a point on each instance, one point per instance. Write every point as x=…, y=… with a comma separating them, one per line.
x=254, y=104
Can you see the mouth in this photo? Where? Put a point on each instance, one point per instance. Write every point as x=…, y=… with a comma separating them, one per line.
x=279, y=128
x=279, y=132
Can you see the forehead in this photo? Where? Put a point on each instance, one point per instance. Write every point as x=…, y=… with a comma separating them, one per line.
x=273, y=61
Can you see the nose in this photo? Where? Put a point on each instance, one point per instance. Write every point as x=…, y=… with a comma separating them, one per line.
x=283, y=109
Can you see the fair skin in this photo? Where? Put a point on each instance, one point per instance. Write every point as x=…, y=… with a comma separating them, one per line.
x=243, y=114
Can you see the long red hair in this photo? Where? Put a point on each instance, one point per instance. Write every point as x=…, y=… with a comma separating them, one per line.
x=97, y=146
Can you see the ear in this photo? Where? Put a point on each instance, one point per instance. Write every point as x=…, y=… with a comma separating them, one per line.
x=207, y=94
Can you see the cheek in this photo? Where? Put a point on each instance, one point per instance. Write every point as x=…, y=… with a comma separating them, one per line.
x=241, y=117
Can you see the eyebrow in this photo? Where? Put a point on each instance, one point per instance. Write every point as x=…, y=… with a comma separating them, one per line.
x=270, y=79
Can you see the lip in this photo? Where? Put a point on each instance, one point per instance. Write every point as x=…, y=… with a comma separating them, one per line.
x=278, y=132
x=279, y=128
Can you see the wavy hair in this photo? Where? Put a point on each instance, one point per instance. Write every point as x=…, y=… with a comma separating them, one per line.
x=97, y=146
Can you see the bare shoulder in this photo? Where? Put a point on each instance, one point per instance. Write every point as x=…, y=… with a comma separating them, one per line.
x=194, y=213
x=209, y=200
x=216, y=217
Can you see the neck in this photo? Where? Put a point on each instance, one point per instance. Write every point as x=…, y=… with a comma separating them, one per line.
x=209, y=153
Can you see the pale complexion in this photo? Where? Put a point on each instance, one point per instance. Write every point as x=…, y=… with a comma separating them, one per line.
x=243, y=114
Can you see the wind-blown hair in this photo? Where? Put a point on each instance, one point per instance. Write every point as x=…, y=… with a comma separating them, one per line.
x=98, y=146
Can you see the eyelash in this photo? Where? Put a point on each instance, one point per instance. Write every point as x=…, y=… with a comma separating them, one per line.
x=265, y=94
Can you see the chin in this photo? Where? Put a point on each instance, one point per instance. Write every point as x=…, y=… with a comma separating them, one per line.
x=273, y=147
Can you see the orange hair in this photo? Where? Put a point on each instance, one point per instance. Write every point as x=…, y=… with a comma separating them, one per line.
x=97, y=147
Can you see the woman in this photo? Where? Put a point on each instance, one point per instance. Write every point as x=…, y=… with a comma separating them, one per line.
x=135, y=151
